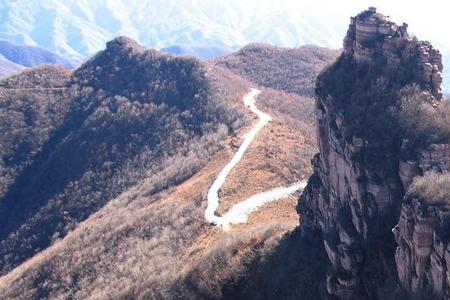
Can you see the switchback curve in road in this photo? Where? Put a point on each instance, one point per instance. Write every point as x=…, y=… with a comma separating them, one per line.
x=240, y=211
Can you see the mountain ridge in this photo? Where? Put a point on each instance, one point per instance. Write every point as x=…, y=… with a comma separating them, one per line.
x=29, y=56
x=7, y=67
x=104, y=126
x=193, y=23
x=14, y=58
x=203, y=52
x=279, y=67
x=187, y=24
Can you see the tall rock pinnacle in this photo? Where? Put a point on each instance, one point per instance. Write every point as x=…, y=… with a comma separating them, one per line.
x=366, y=163
x=373, y=33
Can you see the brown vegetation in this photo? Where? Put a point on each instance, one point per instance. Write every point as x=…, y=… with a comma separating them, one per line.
x=127, y=249
x=280, y=155
x=50, y=76
x=292, y=70
x=27, y=118
x=159, y=247
x=148, y=133
x=432, y=187
x=160, y=118
x=423, y=121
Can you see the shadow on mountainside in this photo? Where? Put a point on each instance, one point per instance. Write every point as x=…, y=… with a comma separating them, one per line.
x=290, y=268
x=132, y=113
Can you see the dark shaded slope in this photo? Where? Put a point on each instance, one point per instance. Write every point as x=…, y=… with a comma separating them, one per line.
x=32, y=104
x=129, y=113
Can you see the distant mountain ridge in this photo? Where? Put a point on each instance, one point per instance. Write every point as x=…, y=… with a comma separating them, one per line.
x=81, y=28
x=30, y=56
x=14, y=58
x=203, y=52
x=8, y=67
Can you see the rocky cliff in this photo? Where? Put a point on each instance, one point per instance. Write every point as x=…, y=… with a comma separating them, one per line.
x=368, y=158
x=423, y=230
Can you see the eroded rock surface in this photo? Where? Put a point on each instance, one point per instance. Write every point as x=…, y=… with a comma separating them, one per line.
x=423, y=253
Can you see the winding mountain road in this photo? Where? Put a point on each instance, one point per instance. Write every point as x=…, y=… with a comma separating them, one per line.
x=240, y=211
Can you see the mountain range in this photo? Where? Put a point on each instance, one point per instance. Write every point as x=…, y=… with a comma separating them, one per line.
x=81, y=28
x=14, y=58
x=8, y=67
x=267, y=173
x=114, y=158
x=204, y=52
x=205, y=29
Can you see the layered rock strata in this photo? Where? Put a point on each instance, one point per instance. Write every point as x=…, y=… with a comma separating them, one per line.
x=423, y=230
x=423, y=253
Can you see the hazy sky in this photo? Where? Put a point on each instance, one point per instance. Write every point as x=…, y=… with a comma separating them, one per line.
x=426, y=19
x=90, y=23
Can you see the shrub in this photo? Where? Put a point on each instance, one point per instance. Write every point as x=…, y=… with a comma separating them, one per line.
x=422, y=121
x=432, y=187
x=47, y=76
x=261, y=264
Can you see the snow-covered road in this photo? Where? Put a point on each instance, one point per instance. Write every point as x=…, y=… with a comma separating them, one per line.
x=239, y=212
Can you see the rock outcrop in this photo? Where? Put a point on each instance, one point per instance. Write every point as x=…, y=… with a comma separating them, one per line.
x=354, y=198
x=423, y=254
x=423, y=230
x=371, y=32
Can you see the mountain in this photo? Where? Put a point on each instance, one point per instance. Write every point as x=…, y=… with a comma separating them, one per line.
x=75, y=28
x=79, y=29
x=289, y=69
x=203, y=52
x=106, y=171
x=76, y=140
x=7, y=67
x=14, y=58
x=378, y=196
x=29, y=56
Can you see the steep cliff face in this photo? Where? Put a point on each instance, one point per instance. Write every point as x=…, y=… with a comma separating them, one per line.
x=365, y=165
x=423, y=230
x=423, y=255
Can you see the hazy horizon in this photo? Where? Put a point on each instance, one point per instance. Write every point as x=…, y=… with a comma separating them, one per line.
x=79, y=29
x=23, y=22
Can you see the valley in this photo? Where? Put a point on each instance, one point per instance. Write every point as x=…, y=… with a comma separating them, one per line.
x=146, y=222
x=266, y=173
